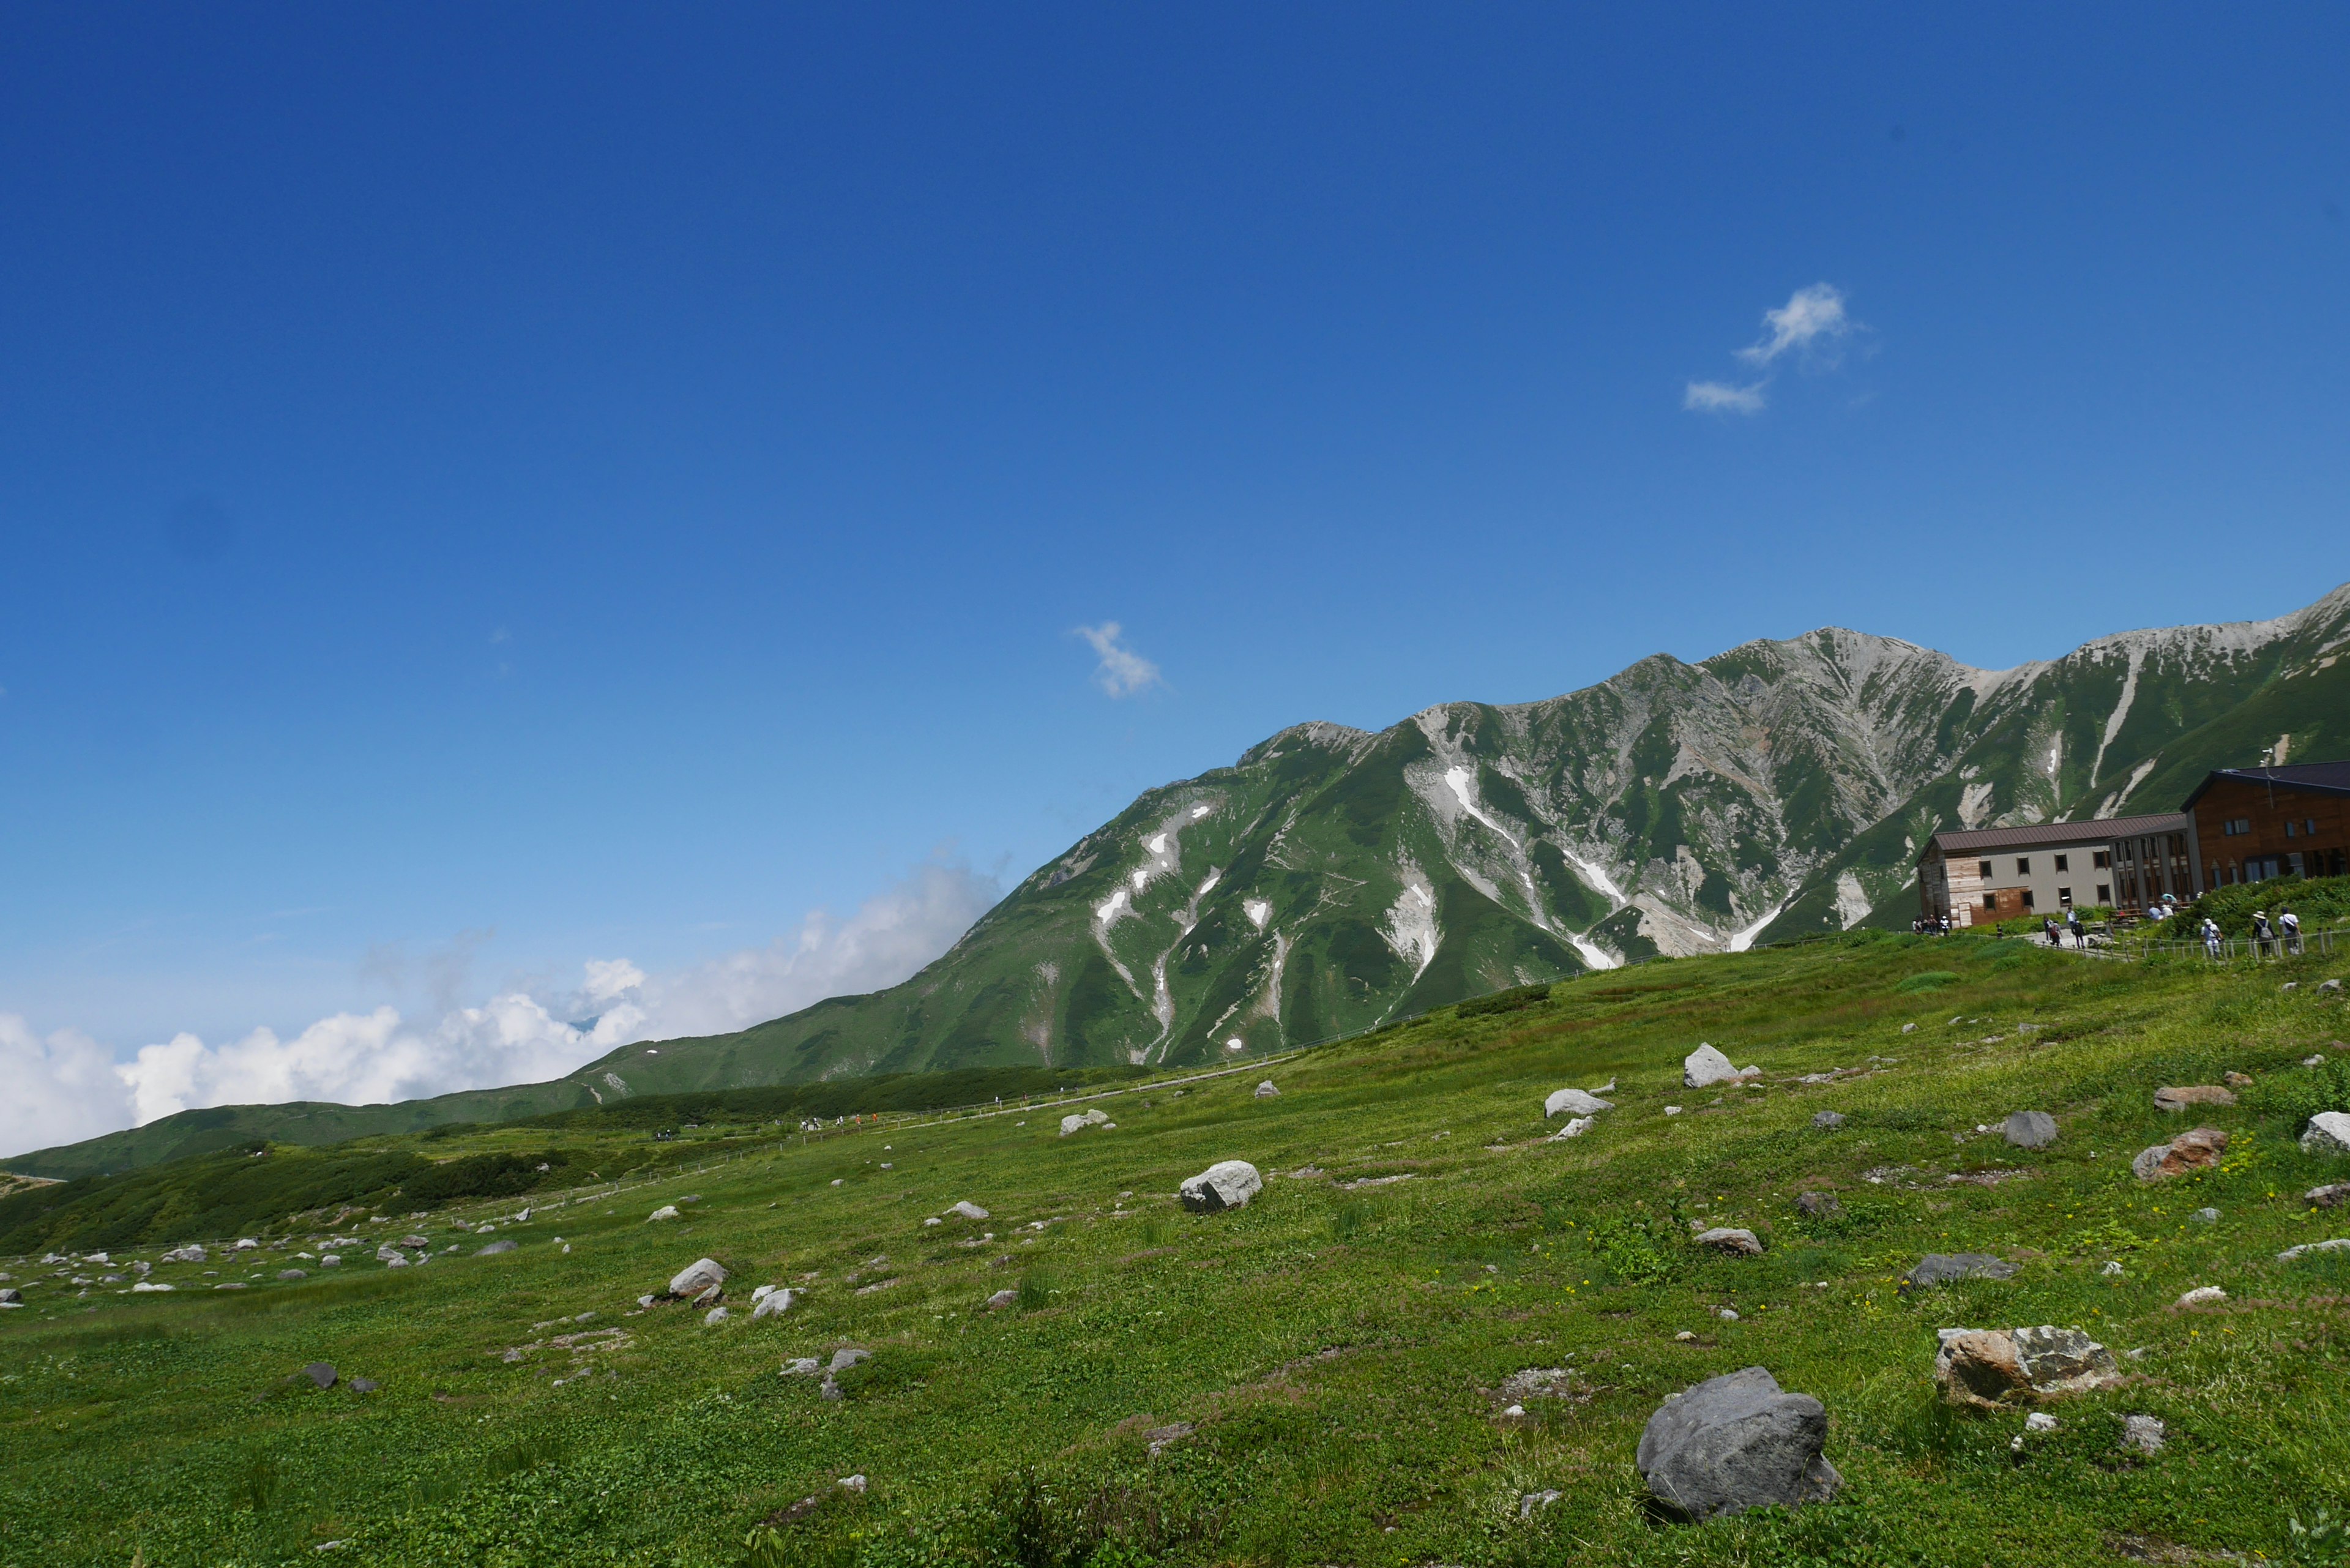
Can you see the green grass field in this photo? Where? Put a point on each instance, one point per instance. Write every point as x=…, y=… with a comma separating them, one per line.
x=1320, y=1371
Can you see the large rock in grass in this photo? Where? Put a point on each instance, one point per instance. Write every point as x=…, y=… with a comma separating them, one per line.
x=2328, y=1133
x=495, y=1248
x=1574, y=1103
x=697, y=1279
x=2029, y=1129
x=2197, y=1149
x=1077, y=1122
x=1736, y=1442
x=1738, y=1242
x=1943, y=1268
x=2180, y=1099
x=1227, y=1184
x=1989, y=1368
x=1706, y=1066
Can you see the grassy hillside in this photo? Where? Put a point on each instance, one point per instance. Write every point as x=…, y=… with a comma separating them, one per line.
x=1321, y=1370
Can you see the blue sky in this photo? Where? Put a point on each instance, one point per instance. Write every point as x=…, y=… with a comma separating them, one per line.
x=486, y=490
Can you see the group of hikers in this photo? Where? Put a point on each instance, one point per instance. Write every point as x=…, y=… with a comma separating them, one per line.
x=2268, y=940
x=1930, y=925
x=2054, y=930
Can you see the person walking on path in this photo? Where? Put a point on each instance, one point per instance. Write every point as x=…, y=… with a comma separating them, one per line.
x=2072, y=922
x=2261, y=936
x=2048, y=930
x=2289, y=924
x=2210, y=938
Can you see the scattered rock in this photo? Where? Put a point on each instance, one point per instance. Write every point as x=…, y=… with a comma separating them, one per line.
x=1685, y=1336
x=495, y=1248
x=696, y=1278
x=364, y=1386
x=1818, y=1204
x=2236, y=1080
x=970, y=1210
x=2146, y=1434
x=2333, y=1195
x=1529, y=1501
x=1989, y=1367
x=851, y=1483
x=1829, y=1121
x=2178, y=1099
x=321, y=1374
x=2029, y=1129
x=1266, y=1091
x=1727, y=1315
x=2206, y=1216
x=2339, y=1244
x=140, y=1288
x=331, y=1260
x=2334, y=986
x=1575, y=1127
x=1941, y=1268
x=1078, y=1121
x=846, y=1357
x=2195, y=1151
x=1738, y=1243
x=2328, y=1133
x=1574, y=1103
x=2111, y=1269
x=715, y=1315
x=775, y=1304
x=1735, y=1442
x=191, y=1253
x=1227, y=1184
x=1706, y=1066
x=281, y=1274
x=1158, y=1438
x=802, y=1366
x=1908, y=1029
x=1003, y=1299
x=2040, y=1421
x=668, y=1211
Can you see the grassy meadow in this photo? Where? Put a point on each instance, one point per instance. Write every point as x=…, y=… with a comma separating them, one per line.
x=1319, y=1377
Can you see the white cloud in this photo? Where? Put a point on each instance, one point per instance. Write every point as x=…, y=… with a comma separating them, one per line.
x=66, y=1087
x=1811, y=315
x=1122, y=672
x=1720, y=397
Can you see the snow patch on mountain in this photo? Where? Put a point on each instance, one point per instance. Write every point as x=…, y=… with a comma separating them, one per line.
x=1410, y=929
x=1258, y=911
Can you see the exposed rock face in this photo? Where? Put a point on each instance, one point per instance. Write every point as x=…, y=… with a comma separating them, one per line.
x=1736, y=1442
x=1941, y=1268
x=2328, y=1133
x=2029, y=1129
x=2178, y=1099
x=1227, y=1184
x=1738, y=1243
x=2195, y=1151
x=696, y=1279
x=1574, y=1103
x=1990, y=1367
x=1706, y=1066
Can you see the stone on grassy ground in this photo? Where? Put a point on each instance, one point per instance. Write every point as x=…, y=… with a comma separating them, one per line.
x=2195, y=1151
x=331, y=1260
x=1575, y=1128
x=2339, y=1244
x=2203, y=1296
x=1736, y=1442
x=1828, y=1121
x=1738, y=1243
x=281, y=1274
x=2328, y=1133
x=716, y=1314
x=1574, y=1103
x=2206, y=1216
x=802, y=1366
x=1706, y=1066
x=1080, y=1121
x=2333, y=1195
x=666, y=1211
x=364, y=1386
x=775, y=1304
x=970, y=1210
x=1941, y=1268
x=321, y=1374
x=1227, y=1184
x=2144, y=1433
x=696, y=1278
x=1003, y=1299
x=2040, y=1421
x=1991, y=1367
x=1529, y=1501
x=495, y=1248
x=2236, y=1080
x=2029, y=1129
x=2180, y=1099
x=1266, y=1091
x=1818, y=1204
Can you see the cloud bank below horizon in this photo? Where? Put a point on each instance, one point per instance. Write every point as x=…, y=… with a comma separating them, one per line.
x=65, y=1086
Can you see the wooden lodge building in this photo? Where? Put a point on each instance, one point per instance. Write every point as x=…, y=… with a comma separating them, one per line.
x=2241, y=824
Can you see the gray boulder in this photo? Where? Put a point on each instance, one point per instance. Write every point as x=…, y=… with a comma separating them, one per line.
x=321, y=1374
x=775, y=1304
x=281, y=1274
x=1227, y=1184
x=1080, y=1121
x=11, y=1296
x=495, y=1248
x=2146, y=1434
x=1266, y=1091
x=1990, y=1367
x=2328, y=1133
x=2177, y=1098
x=364, y=1386
x=802, y=1366
x=2333, y=1195
x=697, y=1278
x=2029, y=1129
x=1003, y=1299
x=1736, y=1442
x=1738, y=1243
x=1706, y=1066
x=1942, y=1268
x=970, y=1210
x=1818, y=1204
x=1829, y=1121
x=1574, y=1103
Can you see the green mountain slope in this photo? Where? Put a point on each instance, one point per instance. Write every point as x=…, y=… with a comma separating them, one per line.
x=1333, y=879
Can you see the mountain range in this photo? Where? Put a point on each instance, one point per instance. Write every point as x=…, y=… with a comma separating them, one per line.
x=1334, y=878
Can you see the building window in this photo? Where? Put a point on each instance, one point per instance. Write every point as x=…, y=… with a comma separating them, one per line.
x=2292, y=827
x=2105, y=893
x=2023, y=866
x=2101, y=859
x=2309, y=828
x=2063, y=863
x=1990, y=902
x=2065, y=896
x=2027, y=898
x=1986, y=871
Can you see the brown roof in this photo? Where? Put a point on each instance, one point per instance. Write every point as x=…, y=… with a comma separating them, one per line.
x=2095, y=830
x=2320, y=778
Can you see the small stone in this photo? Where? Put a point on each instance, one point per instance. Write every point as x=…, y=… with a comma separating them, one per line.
x=2332, y=986
x=934, y=1220
x=330, y=1261
x=2339, y=1244
x=2040, y=1421
x=2111, y=1268
x=1575, y=1127
x=2178, y=1099
x=696, y=1278
x=1672, y=1110
x=1529, y=1501
x=1003, y=1299
x=1706, y=1066
x=1908, y=1029
x=970, y=1210
x=2146, y=1434
x=2312, y=1061
x=715, y=1315
x=1737, y=1242
x=2029, y=1129
x=1943, y=1268
x=2328, y=1133
x=775, y=1304
x=2236, y=1080
x=321, y=1374
x=846, y=1357
x=802, y=1366
x=281, y=1274
x=1818, y=1204
x=851, y=1483
x=1574, y=1103
x=1736, y=1442
x=2195, y=1151
x=364, y=1386
x=668, y=1211
x=1727, y=1315
x=2333, y=1195
x=1685, y=1336
x=2203, y=1296
x=2206, y=1216
x=1227, y=1184
x=1266, y=1091
x=1991, y=1367
x=1828, y=1121
x=495, y=1248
